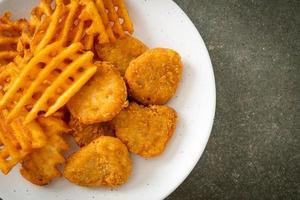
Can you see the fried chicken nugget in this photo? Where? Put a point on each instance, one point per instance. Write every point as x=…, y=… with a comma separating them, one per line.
x=122, y=52
x=145, y=130
x=85, y=134
x=104, y=162
x=154, y=76
x=102, y=98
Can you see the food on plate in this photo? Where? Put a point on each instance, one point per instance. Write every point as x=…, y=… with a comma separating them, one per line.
x=10, y=33
x=85, y=134
x=43, y=63
x=121, y=52
x=40, y=167
x=17, y=140
x=51, y=83
x=145, y=130
x=49, y=80
x=153, y=77
x=104, y=162
x=102, y=98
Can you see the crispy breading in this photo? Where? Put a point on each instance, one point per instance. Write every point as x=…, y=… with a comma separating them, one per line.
x=102, y=98
x=122, y=52
x=145, y=130
x=104, y=162
x=154, y=76
x=85, y=134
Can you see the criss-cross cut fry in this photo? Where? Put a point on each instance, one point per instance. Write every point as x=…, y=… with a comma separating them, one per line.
x=37, y=14
x=9, y=35
x=40, y=167
x=7, y=74
x=17, y=140
x=48, y=81
x=78, y=21
x=115, y=17
x=73, y=22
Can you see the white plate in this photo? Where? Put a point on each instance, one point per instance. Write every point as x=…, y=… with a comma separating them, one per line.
x=159, y=23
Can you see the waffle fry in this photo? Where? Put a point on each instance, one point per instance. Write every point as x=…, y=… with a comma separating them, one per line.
x=40, y=167
x=78, y=21
x=9, y=35
x=49, y=80
x=115, y=17
x=90, y=12
x=7, y=74
x=39, y=12
x=60, y=26
x=23, y=45
x=17, y=140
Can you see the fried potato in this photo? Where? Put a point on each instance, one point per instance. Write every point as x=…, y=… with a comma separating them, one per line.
x=145, y=130
x=122, y=52
x=18, y=140
x=84, y=21
x=48, y=81
x=154, y=76
x=102, y=98
x=7, y=74
x=40, y=167
x=85, y=134
x=104, y=162
x=10, y=32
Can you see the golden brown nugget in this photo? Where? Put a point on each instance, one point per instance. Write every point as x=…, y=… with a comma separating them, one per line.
x=145, y=130
x=122, y=52
x=102, y=98
x=154, y=76
x=85, y=134
x=104, y=162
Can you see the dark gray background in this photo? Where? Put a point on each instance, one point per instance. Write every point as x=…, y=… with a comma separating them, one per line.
x=254, y=149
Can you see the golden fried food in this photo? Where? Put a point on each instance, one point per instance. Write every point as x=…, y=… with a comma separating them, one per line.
x=18, y=140
x=115, y=18
x=145, y=130
x=82, y=21
x=104, y=162
x=102, y=98
x=40, y=167
x=10, y=33
x=49, y=80
x=154, y=76
x=122, y=52
x=85, y=134
x=7, y=74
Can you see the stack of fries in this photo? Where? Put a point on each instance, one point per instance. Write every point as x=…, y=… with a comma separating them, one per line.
x=43, y=63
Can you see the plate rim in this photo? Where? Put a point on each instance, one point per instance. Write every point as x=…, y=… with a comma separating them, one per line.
x=213, y=100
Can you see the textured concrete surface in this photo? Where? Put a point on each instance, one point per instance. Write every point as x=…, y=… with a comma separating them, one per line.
x=254, y=149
